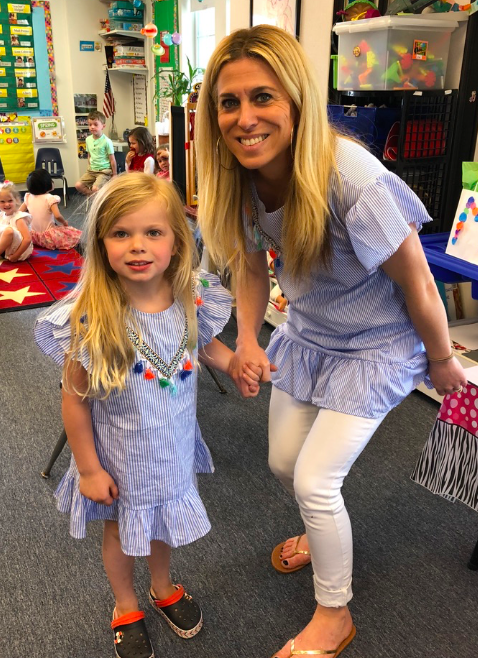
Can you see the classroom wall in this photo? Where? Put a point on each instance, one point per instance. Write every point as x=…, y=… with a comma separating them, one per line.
x=82, y=72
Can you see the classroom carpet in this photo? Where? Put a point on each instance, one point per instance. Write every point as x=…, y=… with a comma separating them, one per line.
x=45, y=277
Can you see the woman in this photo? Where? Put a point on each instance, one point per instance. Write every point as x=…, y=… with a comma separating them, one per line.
x=344, y=231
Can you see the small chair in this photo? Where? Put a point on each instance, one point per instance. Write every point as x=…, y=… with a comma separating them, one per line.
x=120, y=157
x=50, y=159
x=2, y=173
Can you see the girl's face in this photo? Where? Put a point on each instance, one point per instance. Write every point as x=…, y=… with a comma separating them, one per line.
x=163, y=160
x=140, y=245
x=255, y=116
x=8, y=203
x=134, y=145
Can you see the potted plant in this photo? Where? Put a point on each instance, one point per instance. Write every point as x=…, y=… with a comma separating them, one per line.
x=175, y=84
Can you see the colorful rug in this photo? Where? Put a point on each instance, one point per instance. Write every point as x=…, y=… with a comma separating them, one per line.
x=39, y=281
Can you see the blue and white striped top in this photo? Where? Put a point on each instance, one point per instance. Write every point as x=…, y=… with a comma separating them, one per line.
x=348, y=343
x=147, y=439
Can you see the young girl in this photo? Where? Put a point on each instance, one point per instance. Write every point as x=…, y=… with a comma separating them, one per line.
x=127, y=340
x=162, y=159
x=141, y=156
x=15, y=238
x=43, y=208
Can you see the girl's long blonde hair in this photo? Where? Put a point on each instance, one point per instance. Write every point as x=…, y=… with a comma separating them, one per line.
x=223, y=182
x=101, y=308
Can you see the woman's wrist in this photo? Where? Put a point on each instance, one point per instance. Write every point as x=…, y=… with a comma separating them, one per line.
x=440, y=359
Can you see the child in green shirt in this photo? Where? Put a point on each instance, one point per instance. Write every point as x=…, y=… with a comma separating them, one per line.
x=101, y=159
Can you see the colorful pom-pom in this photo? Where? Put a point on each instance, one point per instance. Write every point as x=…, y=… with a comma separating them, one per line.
x=453, y=240
x=184, y=374
x=199, y=301
x=204, y=283
x=188, y=365
x=149, y=374
x=163, y=382
x=173, y=390
x=138, y=367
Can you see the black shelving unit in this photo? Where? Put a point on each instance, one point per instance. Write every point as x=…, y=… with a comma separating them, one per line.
x=424, y=145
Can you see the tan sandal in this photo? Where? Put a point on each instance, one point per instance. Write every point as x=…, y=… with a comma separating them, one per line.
x=322, y=652
x=276, y=559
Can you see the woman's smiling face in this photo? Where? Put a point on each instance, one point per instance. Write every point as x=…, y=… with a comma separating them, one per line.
x=255, y=116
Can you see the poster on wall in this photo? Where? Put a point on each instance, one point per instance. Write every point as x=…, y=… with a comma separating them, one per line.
x=48, y=129
x=282, y=13
x=139, y=98
x=17, y=68
x=85, y=103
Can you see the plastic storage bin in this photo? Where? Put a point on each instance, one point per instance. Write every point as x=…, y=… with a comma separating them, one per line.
x=393, y=52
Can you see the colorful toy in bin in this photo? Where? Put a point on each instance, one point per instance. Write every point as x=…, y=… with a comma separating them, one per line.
x=398, y=52
x=359, y=9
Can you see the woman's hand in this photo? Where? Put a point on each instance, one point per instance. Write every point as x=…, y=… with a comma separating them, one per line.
x=249, y=356
x=447, y=376
x=99, y=487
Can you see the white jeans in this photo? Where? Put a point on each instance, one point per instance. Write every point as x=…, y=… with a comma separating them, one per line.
x=311, y=450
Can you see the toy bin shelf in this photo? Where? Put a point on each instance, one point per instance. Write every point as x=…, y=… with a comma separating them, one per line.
x=393, y=52
x=446, y=268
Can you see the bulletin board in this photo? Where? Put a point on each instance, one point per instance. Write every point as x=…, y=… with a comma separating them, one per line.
x=166, y=19
x=18, y=76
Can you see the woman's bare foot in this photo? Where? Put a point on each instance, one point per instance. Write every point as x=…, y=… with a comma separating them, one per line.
x=290, y=555
x=328, y=628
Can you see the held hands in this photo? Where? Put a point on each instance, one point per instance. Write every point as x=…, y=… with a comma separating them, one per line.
x=99, y=487
x=447, y=376
x=248, y=367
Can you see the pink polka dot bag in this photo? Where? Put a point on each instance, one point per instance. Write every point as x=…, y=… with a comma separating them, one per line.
x=448, y=464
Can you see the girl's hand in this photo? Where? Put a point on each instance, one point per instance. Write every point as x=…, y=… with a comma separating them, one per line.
x=129, y=156
x=251, y=355
x=251, y=373
x=447, y=376
x=99, y=487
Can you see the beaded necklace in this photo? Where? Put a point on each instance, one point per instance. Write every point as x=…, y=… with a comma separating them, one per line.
x=166, y=369
x=260, y=234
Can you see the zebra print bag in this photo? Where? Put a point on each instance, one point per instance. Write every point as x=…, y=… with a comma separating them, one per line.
x=448, y=464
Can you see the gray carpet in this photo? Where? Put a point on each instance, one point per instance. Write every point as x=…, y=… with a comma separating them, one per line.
x=414, y=596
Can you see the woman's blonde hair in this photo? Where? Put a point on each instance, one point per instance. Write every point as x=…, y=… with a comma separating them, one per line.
x=101, y=308
x=223, y=182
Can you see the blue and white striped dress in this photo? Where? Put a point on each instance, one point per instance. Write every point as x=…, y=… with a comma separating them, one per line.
x=147, y=439
x=349, y=344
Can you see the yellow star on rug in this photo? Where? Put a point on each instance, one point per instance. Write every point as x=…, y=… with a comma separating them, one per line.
x=12, y=274
x=18, y=295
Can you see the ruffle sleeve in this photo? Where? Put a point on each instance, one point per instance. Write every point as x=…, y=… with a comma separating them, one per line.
x=379, y=222
x=213, y=303
x=53, y=334
x=52, y=199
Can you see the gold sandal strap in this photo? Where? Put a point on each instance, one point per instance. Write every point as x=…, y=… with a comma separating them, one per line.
x=316, y=652
x=295, y=551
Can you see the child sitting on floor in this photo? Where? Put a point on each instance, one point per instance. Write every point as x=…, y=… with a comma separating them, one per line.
x=43, y=208
x=15, y=238
x=141, y=156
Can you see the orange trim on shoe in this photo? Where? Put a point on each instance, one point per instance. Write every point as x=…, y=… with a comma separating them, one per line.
x=128, y=618
x=174, y=598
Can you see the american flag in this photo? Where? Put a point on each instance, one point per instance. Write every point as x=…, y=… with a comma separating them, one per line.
x=109, y=100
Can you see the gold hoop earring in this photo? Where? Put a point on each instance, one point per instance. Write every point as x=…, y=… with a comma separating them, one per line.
x=219, y=156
